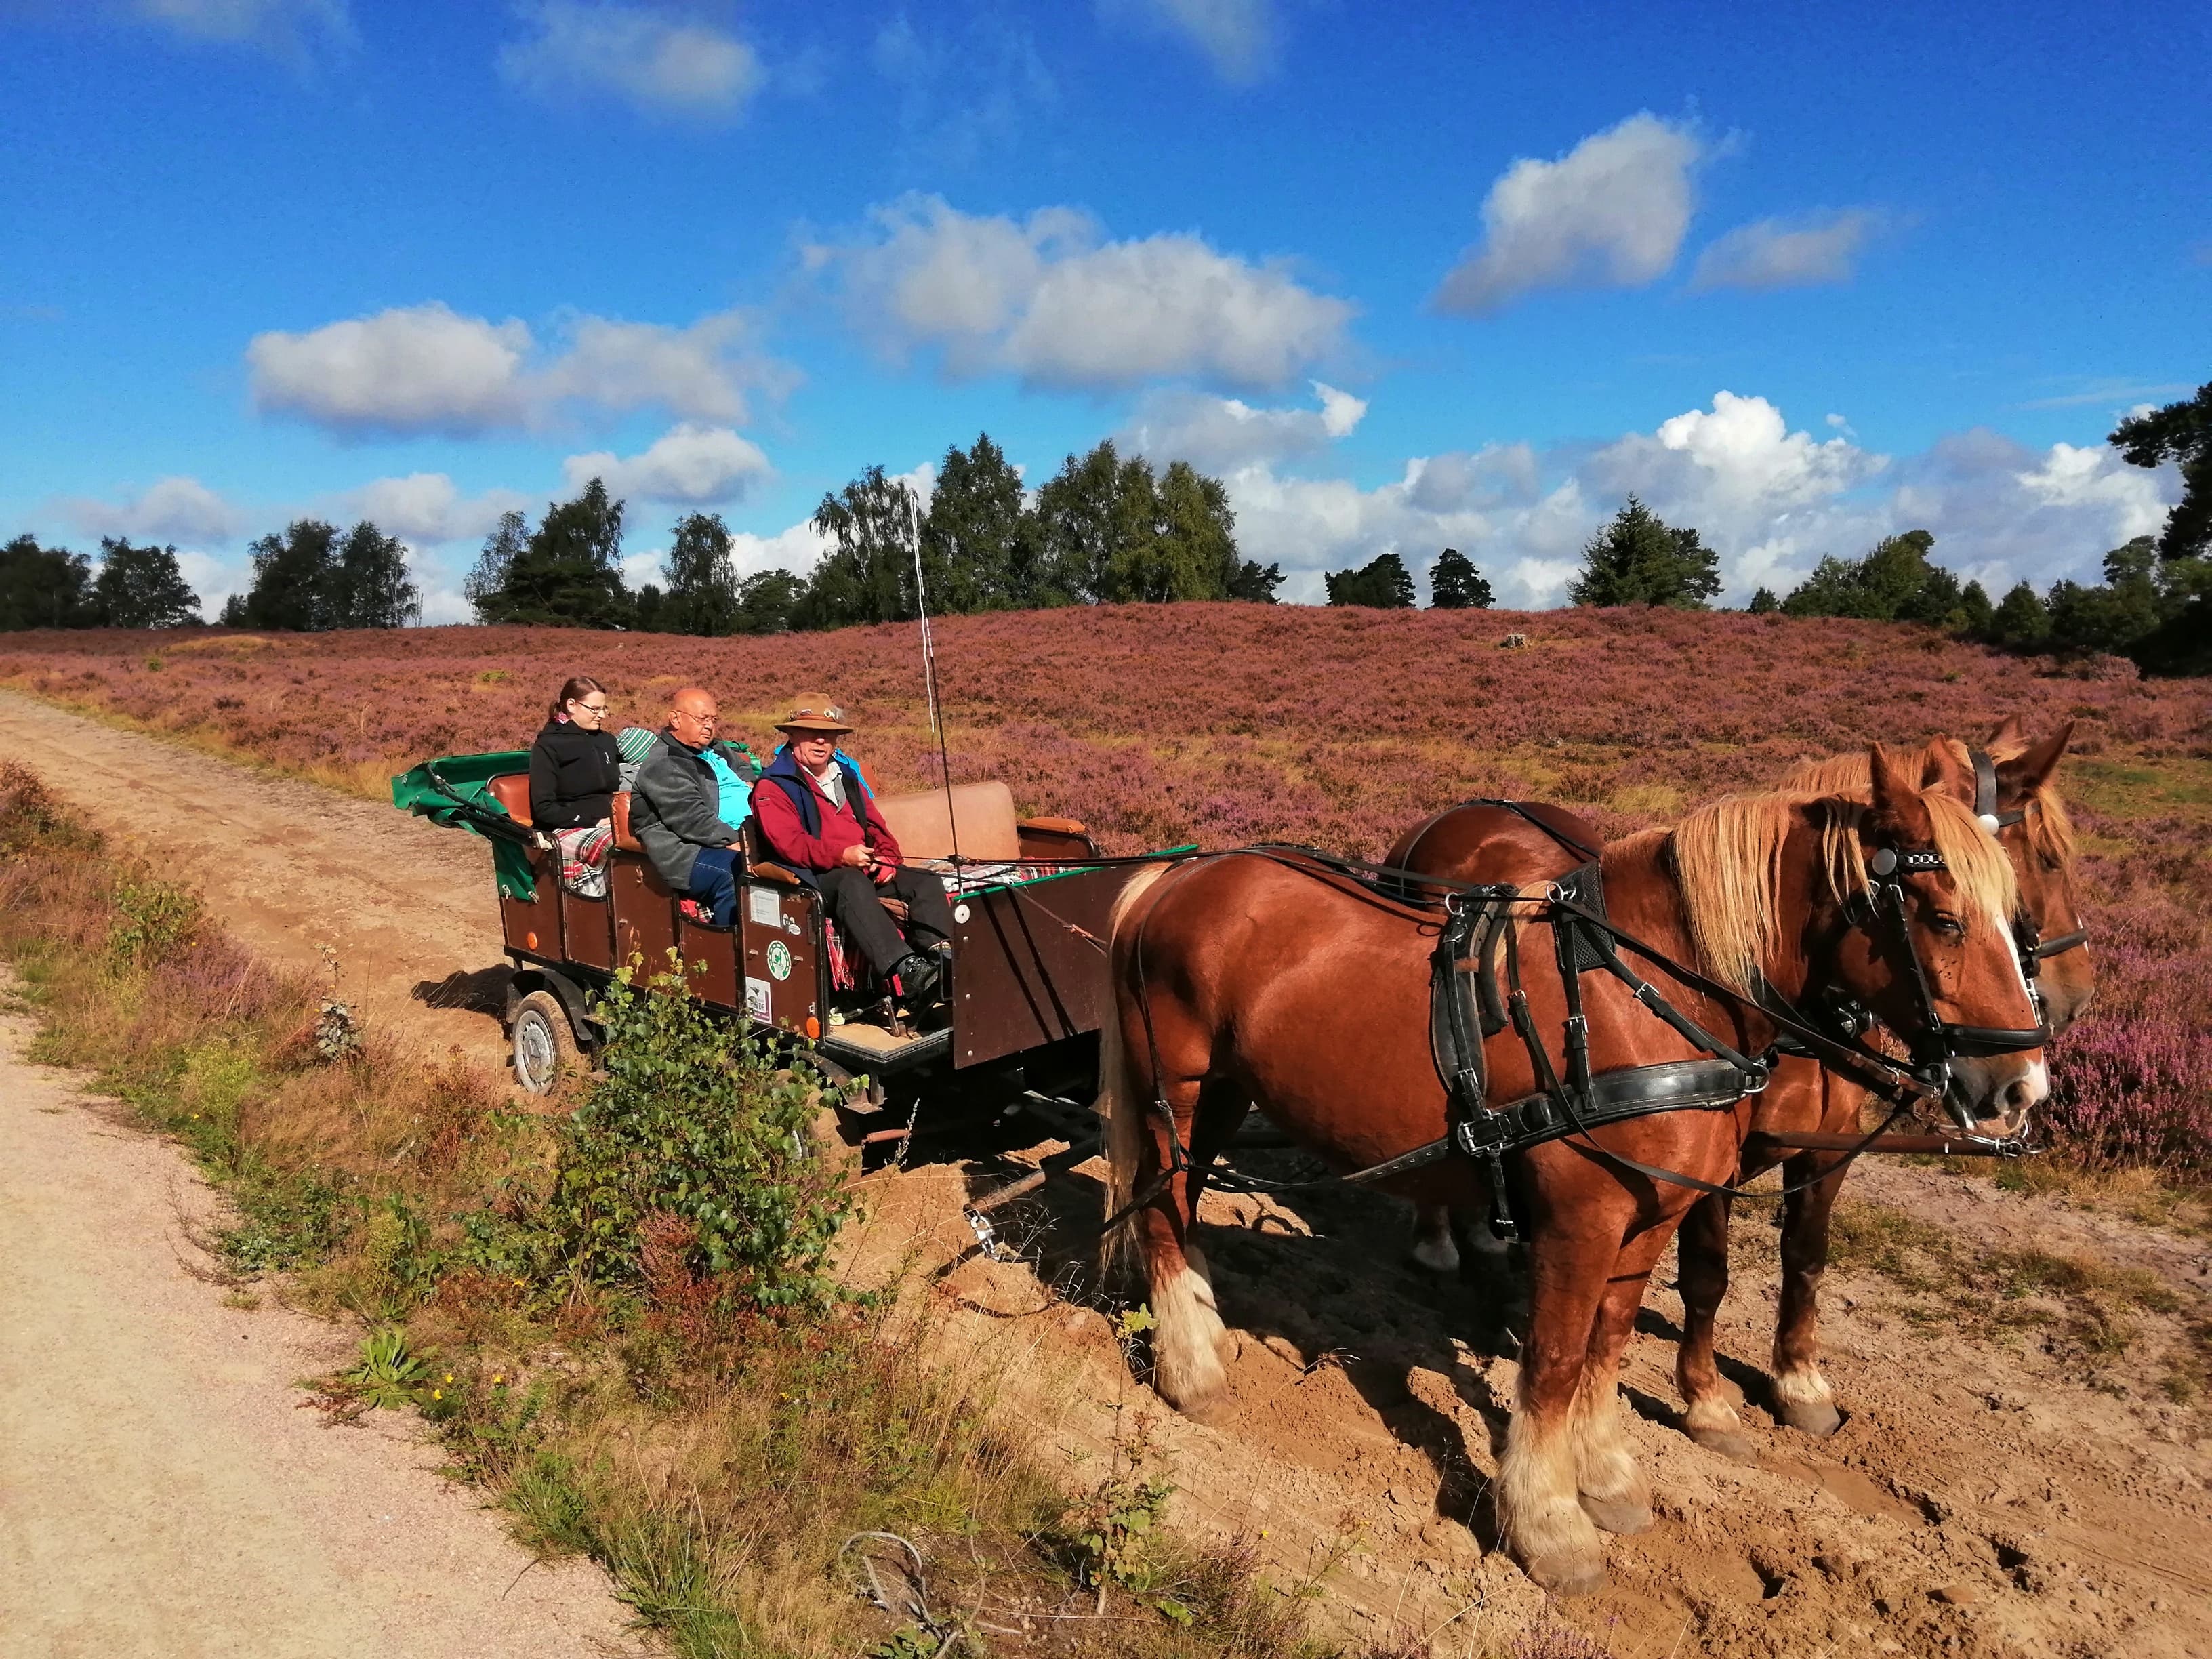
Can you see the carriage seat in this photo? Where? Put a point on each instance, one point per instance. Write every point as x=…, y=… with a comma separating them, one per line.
x=511, y=792
x=983, y=814
x=623, y=839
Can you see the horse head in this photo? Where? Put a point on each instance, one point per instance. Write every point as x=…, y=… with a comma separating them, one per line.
x=2032, y=827
x=1927, y=943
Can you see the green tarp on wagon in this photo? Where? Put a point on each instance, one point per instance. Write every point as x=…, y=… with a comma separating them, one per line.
x=455, y=793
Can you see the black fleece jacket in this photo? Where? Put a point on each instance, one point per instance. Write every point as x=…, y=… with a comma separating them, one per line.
x=573, y=774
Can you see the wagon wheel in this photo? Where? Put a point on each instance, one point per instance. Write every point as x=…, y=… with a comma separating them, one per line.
x=544, y=1044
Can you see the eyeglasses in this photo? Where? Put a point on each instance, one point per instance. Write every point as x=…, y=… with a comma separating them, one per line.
x=593, y=707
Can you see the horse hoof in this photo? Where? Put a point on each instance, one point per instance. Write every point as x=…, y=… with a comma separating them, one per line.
x=1620, y=1515
x=1211, y=1410
x=1817, y=1418
x=1727, y=1442
x=1569, y=1575
x=1437, y=1264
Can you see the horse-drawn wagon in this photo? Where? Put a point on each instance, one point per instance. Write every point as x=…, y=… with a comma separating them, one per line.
x=1028, y=988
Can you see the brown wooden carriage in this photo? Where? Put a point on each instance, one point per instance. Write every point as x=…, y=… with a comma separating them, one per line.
x=1027, y=983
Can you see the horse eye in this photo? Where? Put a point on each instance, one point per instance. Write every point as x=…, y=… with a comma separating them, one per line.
x=1948, y=925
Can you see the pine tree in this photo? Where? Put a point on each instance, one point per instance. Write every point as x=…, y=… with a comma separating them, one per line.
x=1763, y=603
x=2181, y=431
x=1637, y=559
x=2021, y=622
x=1383, y=582
x=1456, y=585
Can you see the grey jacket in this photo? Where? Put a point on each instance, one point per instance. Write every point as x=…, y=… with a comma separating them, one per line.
x=675, y=807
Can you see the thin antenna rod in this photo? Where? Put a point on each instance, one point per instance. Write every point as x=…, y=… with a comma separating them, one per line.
x=929, y=676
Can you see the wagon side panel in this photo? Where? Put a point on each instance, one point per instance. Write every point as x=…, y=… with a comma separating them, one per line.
x=1030, y=964
x=532, y=925
x=781, y=980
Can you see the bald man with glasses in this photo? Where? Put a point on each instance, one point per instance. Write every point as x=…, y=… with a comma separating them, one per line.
x=689, y=804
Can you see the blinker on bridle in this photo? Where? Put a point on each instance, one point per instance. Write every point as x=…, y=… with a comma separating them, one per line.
x=1938, y=1042
x=2034, y=950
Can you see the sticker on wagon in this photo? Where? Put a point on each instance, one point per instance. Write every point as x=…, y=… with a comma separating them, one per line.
x=779, y=958
x=757, y=1000
x=762, y=906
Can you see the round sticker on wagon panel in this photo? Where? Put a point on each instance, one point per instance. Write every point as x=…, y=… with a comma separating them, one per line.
x=779, y=958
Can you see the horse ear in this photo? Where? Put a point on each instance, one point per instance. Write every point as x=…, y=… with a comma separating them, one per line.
x=1944, y=770
x=1897, y=803
x=2031, y=769
x=2009, y=734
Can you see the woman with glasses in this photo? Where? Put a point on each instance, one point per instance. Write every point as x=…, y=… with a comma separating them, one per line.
x=574, y=770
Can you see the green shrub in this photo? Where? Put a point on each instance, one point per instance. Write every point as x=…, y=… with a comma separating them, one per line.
x=691, y=1172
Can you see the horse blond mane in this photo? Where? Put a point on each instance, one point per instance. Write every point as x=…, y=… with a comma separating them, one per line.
x=2050, y=831
x=1727, y=860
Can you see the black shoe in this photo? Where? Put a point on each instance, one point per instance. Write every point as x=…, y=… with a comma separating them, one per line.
x=918, y=977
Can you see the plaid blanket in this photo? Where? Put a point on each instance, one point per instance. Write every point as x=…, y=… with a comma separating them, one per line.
x=583, y=855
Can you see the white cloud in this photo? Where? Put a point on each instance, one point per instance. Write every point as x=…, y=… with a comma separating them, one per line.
x=1239, y=38
x=1050, y=301
x=428, y=368
x=1787, y=252
x=2097, y=480
x=1216, y=432
x=661, y=64
x=690, y=464
x=427, y=506
x=1739, y=459
x=285, y=27
x=1610, y=213
x=797, y=549
x=1772, y=502
x=173, y=510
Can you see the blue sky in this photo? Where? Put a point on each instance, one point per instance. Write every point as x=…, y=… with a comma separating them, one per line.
x=1407, y=277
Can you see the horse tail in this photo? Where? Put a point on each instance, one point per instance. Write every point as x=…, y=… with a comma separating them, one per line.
x=1118, y=1103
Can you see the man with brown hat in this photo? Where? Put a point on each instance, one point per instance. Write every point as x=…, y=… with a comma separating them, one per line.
x=816, y=817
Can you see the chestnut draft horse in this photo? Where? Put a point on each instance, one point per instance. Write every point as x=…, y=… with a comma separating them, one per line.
x=2011, y=776
x=1265, y=979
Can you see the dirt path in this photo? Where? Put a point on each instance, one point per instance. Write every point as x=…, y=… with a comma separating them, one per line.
x=1992, y=1493
x=161, y=1489
x=289, y=867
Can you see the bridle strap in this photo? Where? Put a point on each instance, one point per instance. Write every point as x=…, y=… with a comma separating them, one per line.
x=2045, y=949
x=1985, y=794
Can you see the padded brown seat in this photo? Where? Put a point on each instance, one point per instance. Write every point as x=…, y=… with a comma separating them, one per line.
x=513, y=793
x=623, y=839
x=923, y=822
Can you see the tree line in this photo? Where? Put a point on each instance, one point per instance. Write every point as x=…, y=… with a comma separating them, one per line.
x=1106, y=528
x=132, y=587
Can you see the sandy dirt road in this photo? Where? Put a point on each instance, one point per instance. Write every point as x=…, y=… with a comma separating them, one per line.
x=289, y=867
x=164, y=1489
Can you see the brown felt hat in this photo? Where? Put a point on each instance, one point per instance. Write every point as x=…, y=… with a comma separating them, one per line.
x=815, y=714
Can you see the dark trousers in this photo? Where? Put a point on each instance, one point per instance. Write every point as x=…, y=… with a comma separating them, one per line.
x=855, y=905
x=715, y=883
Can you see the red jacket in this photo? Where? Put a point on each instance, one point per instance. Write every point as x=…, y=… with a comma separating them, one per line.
x=786, y=834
